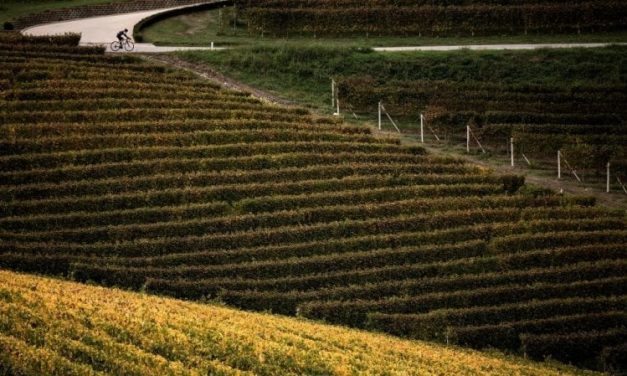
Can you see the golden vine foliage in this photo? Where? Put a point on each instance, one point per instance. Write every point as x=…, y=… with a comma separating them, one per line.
x=53, y=327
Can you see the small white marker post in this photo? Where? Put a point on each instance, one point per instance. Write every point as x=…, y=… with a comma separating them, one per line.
x=337, y=107
x=422, y=128
x=607, y=185
x=379, y=115
x=468, y=139
x=559, y=164
x=511, y=143
x=211, y=46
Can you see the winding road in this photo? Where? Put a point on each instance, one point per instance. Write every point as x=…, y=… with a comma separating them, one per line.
x=102, y=30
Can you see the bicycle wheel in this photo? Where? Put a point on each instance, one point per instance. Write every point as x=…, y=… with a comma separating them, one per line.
x=129, y=45
x=116, y=46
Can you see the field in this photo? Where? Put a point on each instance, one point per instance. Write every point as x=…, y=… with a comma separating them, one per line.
x=228, y=27
x=546, y=100
x=153, y=179
x=11, y=9
x=53, y=327
x=444, y=18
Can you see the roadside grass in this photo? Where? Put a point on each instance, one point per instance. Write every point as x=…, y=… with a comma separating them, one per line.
x=11, y=9
x=303, y=74
x=202, y=28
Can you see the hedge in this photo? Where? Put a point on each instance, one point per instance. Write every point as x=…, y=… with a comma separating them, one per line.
x=117, y=155
x=55, y=49
x=75, y=130
x=153, y=166
x=232, y=223
x=286, y=302
x=143, y=114
x=208, y=137
x=434, y=20
x=579, y=348
x=413, y=287
x=517, y=243
x=507, y=335
x=17, y=38
x=103, y=104
x=354, y=313
x=43, y=222
x=256, y=198
x=433, y=325
x=340, y=281
x=408, y=97
x=402, y=172
x=614, y=358
x=286, y=234
x=116, y=232
x=119, y=275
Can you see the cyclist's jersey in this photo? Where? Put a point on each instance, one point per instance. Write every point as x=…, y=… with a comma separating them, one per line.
x=121, y=33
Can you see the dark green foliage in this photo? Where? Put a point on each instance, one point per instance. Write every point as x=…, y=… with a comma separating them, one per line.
x=436, y=20
x=20, y=42
x=434, y=324
x=507, y=335
x=614, y=358
x=580, y=348
x=354, y=313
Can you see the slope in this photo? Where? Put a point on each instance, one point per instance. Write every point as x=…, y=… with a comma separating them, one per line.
x=53, y=327
x=133, y=175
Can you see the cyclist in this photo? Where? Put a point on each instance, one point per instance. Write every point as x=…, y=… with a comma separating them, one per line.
x=121, y=35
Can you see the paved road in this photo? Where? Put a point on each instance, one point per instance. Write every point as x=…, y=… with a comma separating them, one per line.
x=102, y=30
x=496, y=47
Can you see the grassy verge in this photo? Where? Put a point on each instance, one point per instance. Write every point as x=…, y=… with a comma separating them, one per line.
x=217, y=26
x=11, y=9
x=303, y=74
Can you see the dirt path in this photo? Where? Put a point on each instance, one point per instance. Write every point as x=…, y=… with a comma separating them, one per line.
x=612, y=200
x=211, y=74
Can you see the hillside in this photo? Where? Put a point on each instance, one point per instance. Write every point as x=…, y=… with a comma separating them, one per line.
x=431, y=18
x=128, y=174
x=53, y=327
x=546, y=100
x=12, y=9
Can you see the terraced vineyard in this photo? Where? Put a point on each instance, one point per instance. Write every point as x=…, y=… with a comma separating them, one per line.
x=81, y=330
x=123, y=173
x=429, y=18
x=585, y=122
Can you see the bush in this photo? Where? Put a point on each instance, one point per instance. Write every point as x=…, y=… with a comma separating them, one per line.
x=354, y=313
x=614, y=358
x=507, y=335
x=433, y=325
x=579, y=348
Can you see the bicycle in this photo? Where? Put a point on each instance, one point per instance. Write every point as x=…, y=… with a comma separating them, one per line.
x=127, y=45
